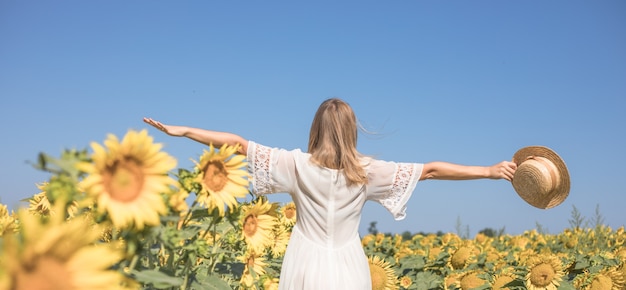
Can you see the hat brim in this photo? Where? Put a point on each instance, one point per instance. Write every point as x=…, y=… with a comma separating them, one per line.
x=554, y=197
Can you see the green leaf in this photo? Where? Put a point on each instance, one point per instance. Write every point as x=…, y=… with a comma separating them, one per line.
x=413, y=262
x=566, y=286
x=157, y=279
x=210, y=282
x=200, y=213
x=427, y=280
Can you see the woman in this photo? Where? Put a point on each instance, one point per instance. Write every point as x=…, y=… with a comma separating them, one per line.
x=330, y=184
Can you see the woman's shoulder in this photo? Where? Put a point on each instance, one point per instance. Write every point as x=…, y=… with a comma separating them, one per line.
x=258, y=146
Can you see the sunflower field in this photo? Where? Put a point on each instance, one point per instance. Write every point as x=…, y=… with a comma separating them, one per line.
x=125, y=217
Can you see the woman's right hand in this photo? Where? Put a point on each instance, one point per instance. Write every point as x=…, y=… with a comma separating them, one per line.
x=503, y=170
x=177, y=131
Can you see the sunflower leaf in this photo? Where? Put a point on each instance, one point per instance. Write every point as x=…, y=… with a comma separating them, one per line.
x=210, y=282
x=565, y=286
x=157, y=279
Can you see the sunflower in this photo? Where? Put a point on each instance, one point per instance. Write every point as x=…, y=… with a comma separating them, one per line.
x=463, y=256
x=247, y=281
x=433, y=252
x=222, y=177
x=58, y=255
x=620, y=253
x=404, y=250
x=367, y=239
x=450, y=239
x=258, y=221
x=471, y=280
x=178, y=201
x=8, y=223
x=281, y=240
x=383, y=276
x=210, y=237
x=270, y=283
x=544, y=272
x=502, y=279
x=452, y=281
x=608, y=279
x=253, y=262
x=519, y=242
x=127, y=179
x=406, y=282
x=288, y=214
x=380, y=238
x=40, y=205
x=481, y=238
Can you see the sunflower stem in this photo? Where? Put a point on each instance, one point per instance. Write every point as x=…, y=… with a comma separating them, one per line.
x=133, y=262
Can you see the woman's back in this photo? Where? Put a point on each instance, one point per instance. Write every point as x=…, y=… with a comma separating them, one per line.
x=325, y=251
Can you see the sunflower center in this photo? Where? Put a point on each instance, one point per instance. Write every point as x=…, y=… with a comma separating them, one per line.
x=405, y=282
x=124, y=180
x=601, y=282
x=250, y=225
x=471, y=281
x=48, y=273
x=215, y=175
x=542, y=275
x=459, y=258
x=379, y=277
x=290, y=212
x=251, y=262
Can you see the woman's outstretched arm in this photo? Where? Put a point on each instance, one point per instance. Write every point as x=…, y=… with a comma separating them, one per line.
x=450, y=171
x=203, y=136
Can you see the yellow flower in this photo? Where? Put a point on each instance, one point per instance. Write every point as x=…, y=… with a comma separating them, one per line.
x=258, y=221
x=367, y=239
x=178, y=201
x=519, y=241
x=8, y=223
x=270, y=284
x=450, y=239
x=462, y=256
x=608, y=279
x=247, y=281
x=502, y=279
x=544, y=273
x=380, y=237
x=222, y=176
x=471, y=280
x=40, y=205
x=253, y=262
x=406, y=281
x=452, y=281
x=404, y=251
x=281, y=240
x=433, y=252
x=482, y=238
x=288, y=214
x=58, y=255
x=127, y=179
x=211, y=238
x=382, y=275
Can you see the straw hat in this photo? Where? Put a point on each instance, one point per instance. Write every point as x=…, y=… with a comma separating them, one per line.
x=541, y=178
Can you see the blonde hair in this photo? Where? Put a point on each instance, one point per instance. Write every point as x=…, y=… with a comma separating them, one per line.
x=333, y=140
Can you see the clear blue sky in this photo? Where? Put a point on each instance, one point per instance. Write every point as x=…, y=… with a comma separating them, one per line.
x=468, y=82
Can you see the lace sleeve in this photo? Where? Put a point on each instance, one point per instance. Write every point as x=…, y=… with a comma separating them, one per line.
x=259, y=157
x=392, y=185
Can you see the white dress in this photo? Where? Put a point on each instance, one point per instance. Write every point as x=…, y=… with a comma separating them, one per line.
x=325, y=250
